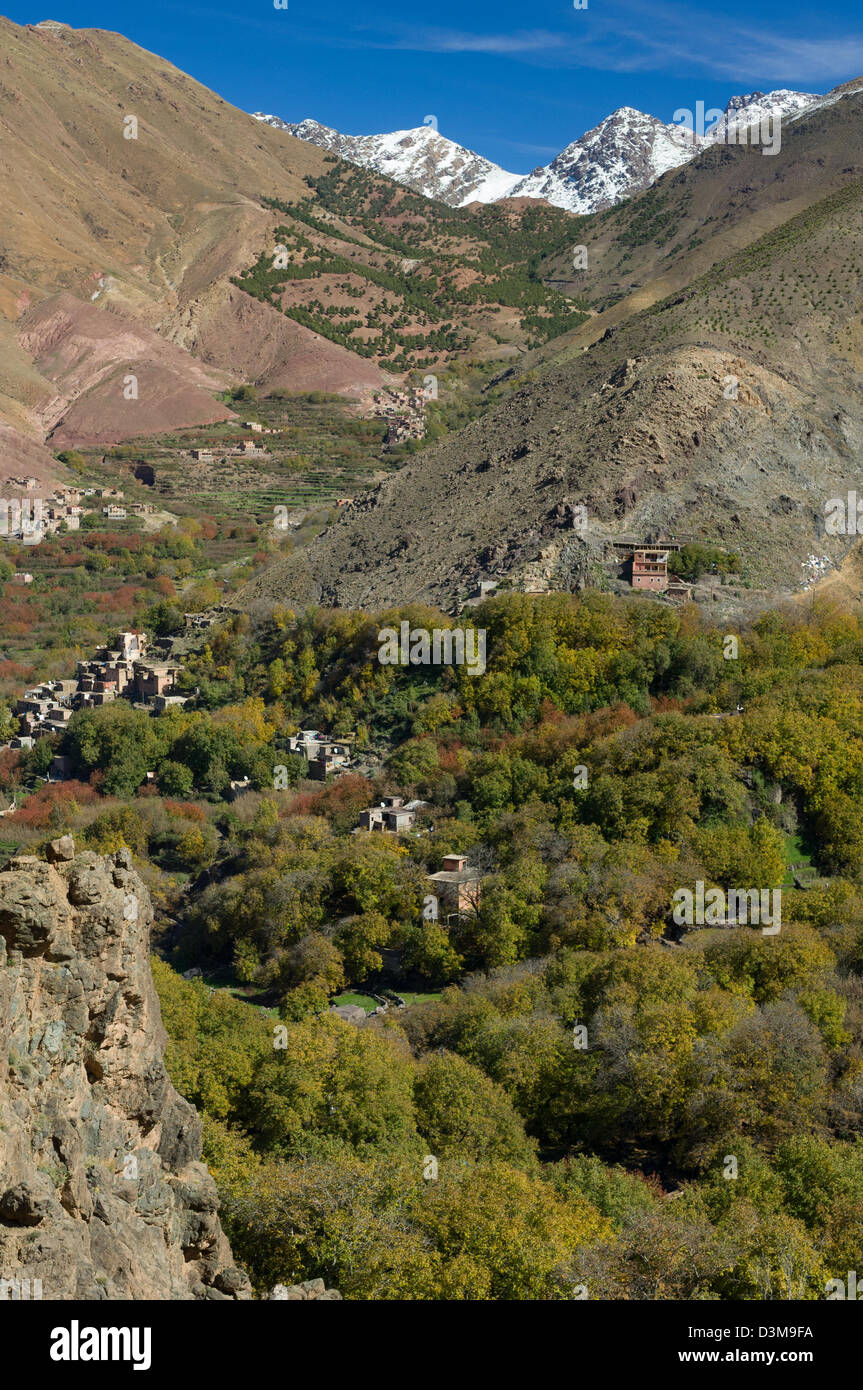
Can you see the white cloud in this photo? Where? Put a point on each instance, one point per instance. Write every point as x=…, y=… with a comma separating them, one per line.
x=630, y=37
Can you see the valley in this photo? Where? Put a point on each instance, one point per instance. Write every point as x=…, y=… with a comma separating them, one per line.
x=431, y=716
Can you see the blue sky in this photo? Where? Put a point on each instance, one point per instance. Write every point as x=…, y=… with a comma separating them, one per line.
x=516, y=82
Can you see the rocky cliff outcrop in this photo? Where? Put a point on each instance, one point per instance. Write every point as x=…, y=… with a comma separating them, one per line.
x=308, y=1291
x=102, y=1192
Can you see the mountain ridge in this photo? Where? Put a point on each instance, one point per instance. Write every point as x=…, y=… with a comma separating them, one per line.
x=625, y=153
x=628, y=415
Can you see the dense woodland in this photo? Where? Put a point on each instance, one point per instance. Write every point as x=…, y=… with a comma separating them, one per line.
x=565, y=1168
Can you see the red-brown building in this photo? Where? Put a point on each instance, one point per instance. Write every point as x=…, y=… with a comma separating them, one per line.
x=650, y=569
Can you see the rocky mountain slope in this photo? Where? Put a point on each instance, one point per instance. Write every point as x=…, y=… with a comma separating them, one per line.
x=115, y=378
x=422, y=159
x=102, y=1192
x=623, y=155
x=695, y=217
x=408, y=282
x=133, y=191
x=135, y=200
x=726, y=409
x=754, y=108
x=629, y=151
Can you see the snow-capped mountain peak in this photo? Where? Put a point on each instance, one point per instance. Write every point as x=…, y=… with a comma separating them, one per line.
x=627, y=152
x=758, y=109
x=422, y=159
x=623, y=154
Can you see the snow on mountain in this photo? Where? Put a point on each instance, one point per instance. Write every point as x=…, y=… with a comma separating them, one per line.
x=847, y=89
x=421, y=159
x=624, y=154
x=743, y=112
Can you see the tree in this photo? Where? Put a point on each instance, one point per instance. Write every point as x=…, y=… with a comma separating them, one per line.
x=313, y=962
x=380, y=1231
x=175, y=779
x=165, y=618
x=463, y=1114
x=118, y=740
x=8, y=723
x=358, y=939
x=335, y=1088
x=429, y=951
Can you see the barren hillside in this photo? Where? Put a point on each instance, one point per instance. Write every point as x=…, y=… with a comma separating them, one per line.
x=728, y=410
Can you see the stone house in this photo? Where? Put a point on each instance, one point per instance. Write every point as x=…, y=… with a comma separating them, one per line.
x=393, y=815
x=457, y=885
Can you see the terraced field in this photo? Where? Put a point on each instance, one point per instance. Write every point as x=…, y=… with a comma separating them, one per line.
x=322, y=450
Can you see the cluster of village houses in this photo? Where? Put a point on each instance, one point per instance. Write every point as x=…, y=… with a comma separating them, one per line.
x=122, y=669
x=324, y=755
x=43, y=516
x=247, y=448
x=455, y=887
x=404, y=412
x=457, y=884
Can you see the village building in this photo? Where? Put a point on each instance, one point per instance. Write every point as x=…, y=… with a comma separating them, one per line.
x=650, y=569
x=324, y=755
x=70, y=516
x=482, y=590
x=393, y=815
x=17, y=480
x=22, y=577
x=197, y=621
x=323, y=765
x=94, y=687
x=162, y=702
x=120, y=670
x=456, y=885
x=151, y=679
x=330, y=758
x=239, y=787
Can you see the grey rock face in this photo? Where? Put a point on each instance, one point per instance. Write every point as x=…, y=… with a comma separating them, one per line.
x=102, y=1192
x=310, y=1289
